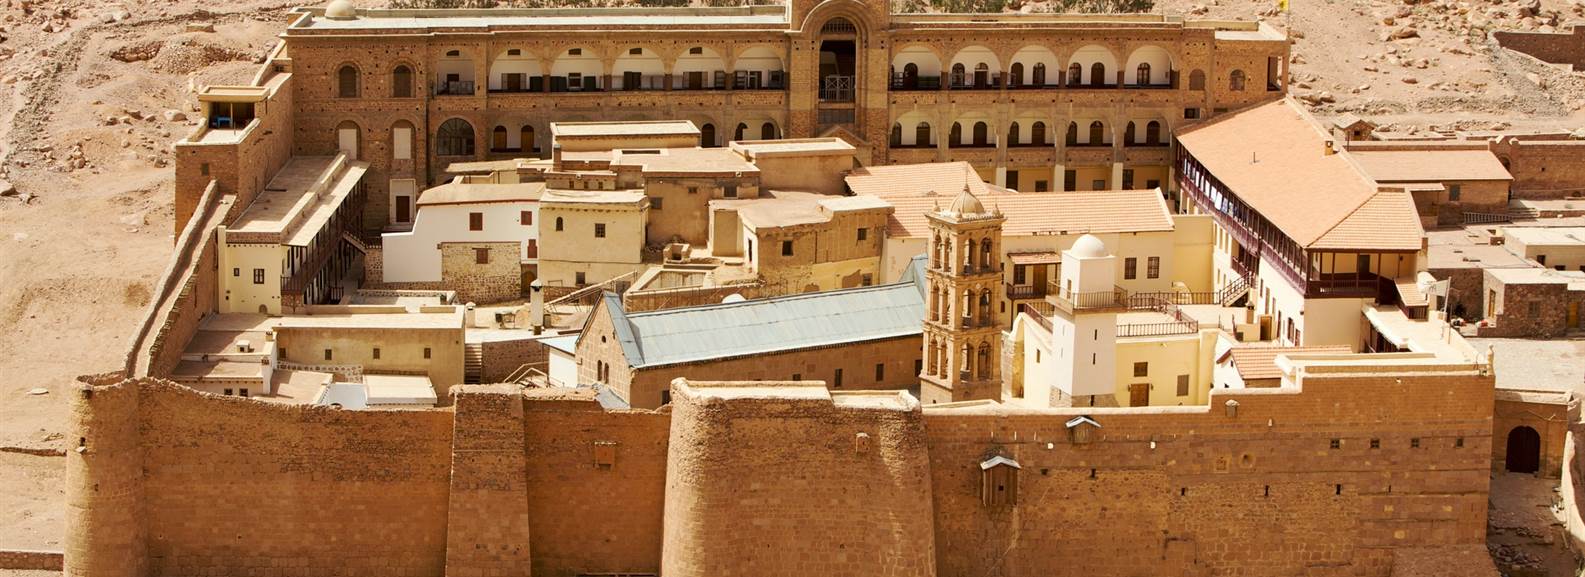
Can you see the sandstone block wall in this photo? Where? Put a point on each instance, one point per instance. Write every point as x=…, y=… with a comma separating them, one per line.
x=1543, y=169
x=499, y=280
x=1556, y=48
x=487, y=528
x=1532, y=310
x=22, y=560
x=1549, y=419
x=503, y=357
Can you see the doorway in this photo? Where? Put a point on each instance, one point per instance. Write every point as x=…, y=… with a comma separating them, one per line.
x=1139, y=395
x=1524, y=450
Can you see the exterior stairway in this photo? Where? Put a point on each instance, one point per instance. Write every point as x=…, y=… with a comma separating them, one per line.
x=472, y=363
x=1234, y=290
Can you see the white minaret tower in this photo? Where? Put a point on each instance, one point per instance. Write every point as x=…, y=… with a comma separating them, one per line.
x=1084, y=325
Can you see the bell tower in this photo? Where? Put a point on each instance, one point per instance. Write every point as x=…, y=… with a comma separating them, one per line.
x=962, y=344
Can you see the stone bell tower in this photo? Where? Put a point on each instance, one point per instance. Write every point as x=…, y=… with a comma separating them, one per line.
x=962, y=344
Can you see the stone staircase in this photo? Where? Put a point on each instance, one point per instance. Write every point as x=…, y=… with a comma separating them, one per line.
x=472, y=363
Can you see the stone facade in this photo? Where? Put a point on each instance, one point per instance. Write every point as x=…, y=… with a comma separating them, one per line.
x=1313, y=480
x=498, y=279
x=399, y=80
x=1531, y=309
x=1545, y=412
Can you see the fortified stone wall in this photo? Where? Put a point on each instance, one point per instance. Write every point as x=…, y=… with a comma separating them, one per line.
x=778, y=478
x=1257, y=490
x=1543, y=169
x=1556, y=48
x=242, y=168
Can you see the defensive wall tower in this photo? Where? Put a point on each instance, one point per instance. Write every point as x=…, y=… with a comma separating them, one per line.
x=106, y=536
x=785, y=478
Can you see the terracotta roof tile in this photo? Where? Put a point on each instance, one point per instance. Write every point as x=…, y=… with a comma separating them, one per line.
x=903, y=180
x=1386, y=221
x=1260, y=362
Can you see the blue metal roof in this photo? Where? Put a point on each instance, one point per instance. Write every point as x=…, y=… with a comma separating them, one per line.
x=761, y=326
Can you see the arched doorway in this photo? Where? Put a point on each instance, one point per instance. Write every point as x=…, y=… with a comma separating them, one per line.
x=1524, y=450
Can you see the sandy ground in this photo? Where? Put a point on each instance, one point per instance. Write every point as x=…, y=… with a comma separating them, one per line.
x=86, y=89
x=1525, y=529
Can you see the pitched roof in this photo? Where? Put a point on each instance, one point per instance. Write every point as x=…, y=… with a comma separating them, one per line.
x=1274, y=157
x=1031, y=213
x=457, y=192
x=1430, y=165
x=760, y=326
x=902, y=180
x=1387, y=221
x=1260, y=362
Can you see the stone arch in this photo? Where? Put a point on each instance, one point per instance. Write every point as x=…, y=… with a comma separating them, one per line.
x=1197, y=80
x=576, y=69
x=454, y=73
x=916, y=66
x=349, y=81
x=916, y=129
x=1090, y=58
x=349, y=139
x=455, y=137
x=1156, y=59
x=514, y=70
x=1236, y=80
x=698, y=68
x=1524, y=450
x=638, y=68
x=707, y=135
x=980, y=61
x=1033, y=58
x=758, y=67
x=402, y=76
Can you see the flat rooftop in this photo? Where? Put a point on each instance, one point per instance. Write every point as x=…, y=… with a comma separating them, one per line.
x=1529, y=364
x=1430, y=165
x=759, y=17
x=624, y=128
x=1575, y=279
x=459, y=192
x=779, y=208
x=663, y=161
x=1547, y=236
x=1047, y=213
x=300, y=198
x=563, y=196
x=793, y=147
x=374, y=317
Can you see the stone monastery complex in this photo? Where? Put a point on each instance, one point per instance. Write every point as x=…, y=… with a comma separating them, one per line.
x=813, y=289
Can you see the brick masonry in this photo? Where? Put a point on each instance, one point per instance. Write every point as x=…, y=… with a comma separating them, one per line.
x=732, y=486
x=24, y=560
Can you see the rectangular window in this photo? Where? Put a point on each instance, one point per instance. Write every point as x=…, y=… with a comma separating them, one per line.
x=526, y=217
x=1130, y=268
x=243, y=392
x=1191, y=113
x=1097, y=185
x=599, y=230
x=579, y=279
x=1153, y=267
x=1018, y=273
x=729, y=191
x=655, y=202
x=376, y=353
x=867, y=279
x=836, y=381
x=475, y=221
x=1042, y=186
x=228, y=392
x=236, y=272
x=864, y=234
x=327, y=354
x=203, y=169
x=481, y=256
x=258, y=276
x=1142, y=369
x=1183, y=385
x=1453, y=192
x=786, y=248
x=880, y=372
x=798, y=376
x=1070, y=180
x=426, y=352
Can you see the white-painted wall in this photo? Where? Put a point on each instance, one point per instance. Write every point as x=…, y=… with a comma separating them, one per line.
x=414, y=256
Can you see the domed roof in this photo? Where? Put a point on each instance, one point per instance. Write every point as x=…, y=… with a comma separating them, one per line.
x=340, y=9
x=966, y=204
x=1088, y=247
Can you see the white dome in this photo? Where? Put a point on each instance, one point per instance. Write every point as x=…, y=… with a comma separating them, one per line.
x=340, y=9
x=733, y=298
x=1088, y=247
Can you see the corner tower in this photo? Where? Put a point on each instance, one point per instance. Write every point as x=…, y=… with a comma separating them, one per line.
x=962, y=344
x=1084, y=324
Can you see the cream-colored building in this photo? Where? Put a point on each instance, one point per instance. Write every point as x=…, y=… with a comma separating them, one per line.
x=803, y=241
x=464, y=212
x=1560, y=248
x=591, y=236
x=377, y=340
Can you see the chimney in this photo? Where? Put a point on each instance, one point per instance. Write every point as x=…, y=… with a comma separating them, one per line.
x=555, y=156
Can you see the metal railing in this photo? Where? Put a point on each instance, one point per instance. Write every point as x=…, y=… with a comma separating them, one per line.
x=457, y=88
x=837, y=88
x=1040, y=314
x=1071, y=301
x=1158, y=329
x=1029, y=291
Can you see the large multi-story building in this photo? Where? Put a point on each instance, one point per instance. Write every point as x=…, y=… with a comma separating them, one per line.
x=1033, y=101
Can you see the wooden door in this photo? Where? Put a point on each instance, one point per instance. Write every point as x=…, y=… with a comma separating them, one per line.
x=1139, y=395
x=404, y=208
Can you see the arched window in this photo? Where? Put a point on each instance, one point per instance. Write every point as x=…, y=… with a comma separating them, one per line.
x=455, y=138
x=1037, y=133
x=1235, y=81
x=402, y=82
x=1128, y=134
x=1197, y=80
x=767, y=131
x=958, y=74
x=498, y=141
x=910, y=76
x=1097, y=74
x=982, y=75
x=525, y=136
x=981, y=134
x=956, y=136
x=741, y=128
x=839, y=25
x=558, y=224
x=1015, y=77
x=1072, y=139
x=347, y=82
x=1143, y=74
x=1075, y=71
x=897, y=134
x=1097, y=133
x=707, y=135
x=1153, y=133
x=922, y=134
x=1012, y=134
x=1039, y=75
